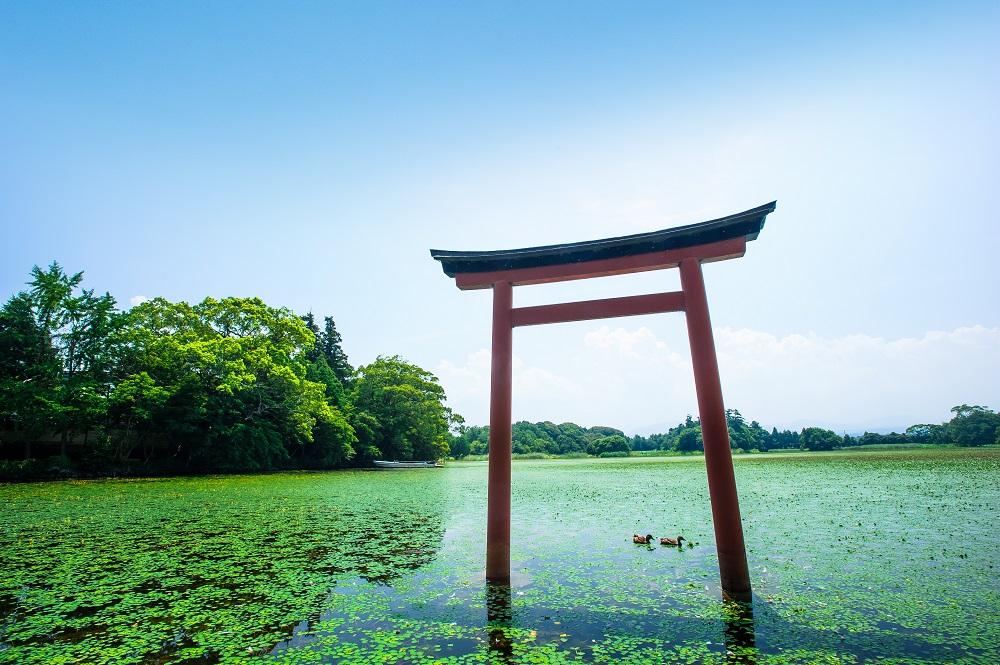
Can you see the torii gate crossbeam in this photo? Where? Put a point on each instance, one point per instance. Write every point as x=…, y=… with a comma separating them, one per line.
x=686, y=248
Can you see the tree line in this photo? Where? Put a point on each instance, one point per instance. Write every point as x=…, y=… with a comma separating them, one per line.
x=970, y=426
x=227, y=384
x=545, y=438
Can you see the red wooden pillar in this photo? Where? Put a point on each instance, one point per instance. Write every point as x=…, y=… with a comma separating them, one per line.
x=498, y=492
x=718, y=457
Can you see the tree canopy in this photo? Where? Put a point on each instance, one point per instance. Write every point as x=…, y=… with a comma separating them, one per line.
x=973, y=426
x=405, y=403
x=223, y=384
x=817, y=438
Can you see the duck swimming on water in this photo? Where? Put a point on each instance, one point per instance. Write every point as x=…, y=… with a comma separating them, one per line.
x=642, y=540
x=672, y=542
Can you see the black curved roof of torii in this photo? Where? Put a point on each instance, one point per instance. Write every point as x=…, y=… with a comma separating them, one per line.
x=747, y=224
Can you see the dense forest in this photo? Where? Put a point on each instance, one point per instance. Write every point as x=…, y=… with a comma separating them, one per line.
x=171, y=387
x=236, y=385
x=970, y=426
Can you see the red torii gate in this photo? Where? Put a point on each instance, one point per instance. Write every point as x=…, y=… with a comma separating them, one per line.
x=684, y=247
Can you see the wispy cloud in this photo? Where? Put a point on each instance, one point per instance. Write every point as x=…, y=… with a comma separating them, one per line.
x=469, y=382
x=633, y=379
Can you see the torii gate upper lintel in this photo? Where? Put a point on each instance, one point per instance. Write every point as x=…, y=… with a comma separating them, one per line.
x=684, y=247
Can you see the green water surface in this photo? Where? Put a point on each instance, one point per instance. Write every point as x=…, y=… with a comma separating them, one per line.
x=886, y=557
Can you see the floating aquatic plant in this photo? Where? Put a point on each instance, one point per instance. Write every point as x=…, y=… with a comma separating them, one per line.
x=377, y=567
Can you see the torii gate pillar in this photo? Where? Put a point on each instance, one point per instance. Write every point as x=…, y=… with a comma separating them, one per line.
x=715, y=433
x=498, y=487
x=685, y=248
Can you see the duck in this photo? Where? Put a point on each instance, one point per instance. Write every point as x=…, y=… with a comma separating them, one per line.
x=642, y=540
x=672, y=542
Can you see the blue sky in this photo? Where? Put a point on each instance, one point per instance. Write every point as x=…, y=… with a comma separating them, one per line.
x=312, y=154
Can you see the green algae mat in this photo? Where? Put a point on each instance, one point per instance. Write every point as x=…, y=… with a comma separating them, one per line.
x=887, y=557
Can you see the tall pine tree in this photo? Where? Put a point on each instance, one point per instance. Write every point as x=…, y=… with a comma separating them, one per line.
x=316, y=350
x=335, y=357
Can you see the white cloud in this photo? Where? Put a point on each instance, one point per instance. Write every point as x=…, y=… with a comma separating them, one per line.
x=137, y=300
x=858, y=381
x=468, y=384
x=640, y=344
x=635, y=380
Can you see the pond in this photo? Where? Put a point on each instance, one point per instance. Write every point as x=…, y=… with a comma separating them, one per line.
x=854, y=557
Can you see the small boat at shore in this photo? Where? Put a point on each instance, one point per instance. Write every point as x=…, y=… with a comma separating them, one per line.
x=383, y=464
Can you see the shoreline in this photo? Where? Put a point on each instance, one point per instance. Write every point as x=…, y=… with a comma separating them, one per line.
x=147, y=474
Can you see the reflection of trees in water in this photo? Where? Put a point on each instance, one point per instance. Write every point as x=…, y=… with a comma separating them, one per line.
x=740, y=635
x=499, y=614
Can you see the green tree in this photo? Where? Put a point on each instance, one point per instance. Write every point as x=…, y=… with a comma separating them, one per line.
x=316, y=351
x=470, y=440
x=689, y=439
x=368, y=430
x=817, y=438
x=742, y=435
x=319, y=371
x=224, y=385
x=78, y=325
x=330, y=343
x=50, y=291
x=411, y=420
x=135, y=406
x=597, y=431
x=926, y=433
x=460, y=445
x=614, y=443
x=532, y=438
x=29, y=373
x=88, y=363
x=782, y=440
x=572, y=438
x=318, y=368
x=973, y=425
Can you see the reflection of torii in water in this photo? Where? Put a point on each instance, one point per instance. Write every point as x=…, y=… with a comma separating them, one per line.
x=684, y=247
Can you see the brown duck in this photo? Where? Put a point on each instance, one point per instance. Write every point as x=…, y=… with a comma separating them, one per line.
x=642, y=540
x=672, y=542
